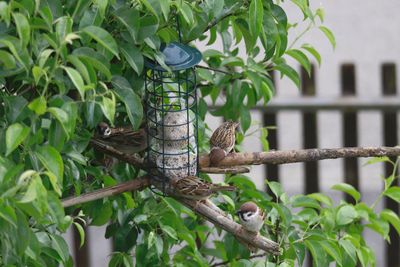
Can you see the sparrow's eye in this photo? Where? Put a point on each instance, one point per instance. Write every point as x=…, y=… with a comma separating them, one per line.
x=247, y=215
x=107, y=131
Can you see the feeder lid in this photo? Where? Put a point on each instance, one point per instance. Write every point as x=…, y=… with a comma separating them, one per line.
x=178, y=56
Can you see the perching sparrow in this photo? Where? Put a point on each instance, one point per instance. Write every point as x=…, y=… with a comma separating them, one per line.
x=251, y=217
x=123, y=139
x=192, y=187
x=222, y=141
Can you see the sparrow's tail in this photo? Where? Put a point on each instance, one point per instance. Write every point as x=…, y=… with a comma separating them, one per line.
x=216, y=155
x=223, y=188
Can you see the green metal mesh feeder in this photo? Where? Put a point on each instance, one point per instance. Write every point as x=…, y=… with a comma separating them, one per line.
x=171, y=114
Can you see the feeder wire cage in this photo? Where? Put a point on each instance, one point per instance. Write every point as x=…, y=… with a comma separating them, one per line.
x=171, y=115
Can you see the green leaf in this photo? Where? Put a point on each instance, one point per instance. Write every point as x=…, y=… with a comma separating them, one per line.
x=81, y=233
x=187, y=13
x=289, y=72
x=151, y=240
x=62, y=117
x=321, y=198
x=169, y=231
x=5, y=12
x=102, y=6
x=38, y=72
x=378, y=160
x=149, y=7
x=81, y=68
x=133, y=56
x=392, y=218
x=31, y=192
x=380, y=226
x=20, y=53
x=8, y=214
x=364, y=255
x=310, y=49
x=108, y=107
x=8, y=60
x=38, y=105
x=328, y=35
x=346, y=214
x=23, y=28
x=58, y=243
x=133, y=105
x=63, y=27
x=301, y=58
x=102, y=37
x=276, y=188
x=103, y=214
x=148, y=27
x=349, y=189
x=54, y=182
x=317, y=252
x=52, y=161
x=349, y=249
x=44, y=56
x=304, y=201
x=164, y=4
x=95, y=59
x=332, y=248
x=245, y=118
x=77, y=80
x=15, y=135
x=394, y=193
x=130, y=19
x=159, y=244
x=256, y=17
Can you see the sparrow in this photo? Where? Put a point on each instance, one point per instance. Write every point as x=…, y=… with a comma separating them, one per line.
x=251, y=217
x=222, y=141
x=123, y=139
x=192, y=187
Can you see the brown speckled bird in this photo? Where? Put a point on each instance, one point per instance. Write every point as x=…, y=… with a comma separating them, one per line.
x=192, y=187
x=123, y=139
x=222, y=141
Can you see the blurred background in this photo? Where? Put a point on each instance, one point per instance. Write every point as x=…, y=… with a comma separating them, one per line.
x=352, y=99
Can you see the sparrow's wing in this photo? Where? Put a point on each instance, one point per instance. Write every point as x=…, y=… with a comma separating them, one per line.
x=193, y=187
x=125, y=140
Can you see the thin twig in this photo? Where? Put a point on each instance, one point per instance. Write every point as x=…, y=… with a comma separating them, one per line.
x=135, y=184
x=212, y=69
x=302, y=155
x=228, y=261
x=232, y=11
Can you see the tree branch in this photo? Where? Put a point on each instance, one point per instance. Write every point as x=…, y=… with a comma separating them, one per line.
x=215, y=215
x=139, y=183
x=211, y=212
x=303, y=155
x=225, y=170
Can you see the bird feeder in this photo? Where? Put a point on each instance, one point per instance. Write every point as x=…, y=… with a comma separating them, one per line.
x=171, y=114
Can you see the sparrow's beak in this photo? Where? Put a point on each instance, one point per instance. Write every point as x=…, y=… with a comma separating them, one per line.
x=237, y=212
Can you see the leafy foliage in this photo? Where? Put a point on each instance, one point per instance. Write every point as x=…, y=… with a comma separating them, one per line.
x=65, y=66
